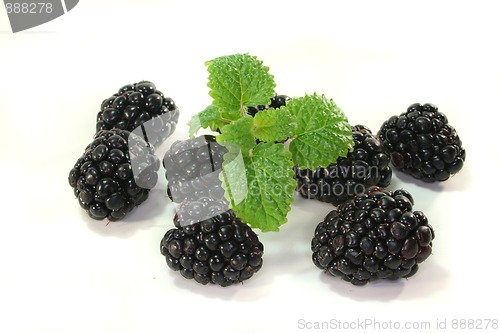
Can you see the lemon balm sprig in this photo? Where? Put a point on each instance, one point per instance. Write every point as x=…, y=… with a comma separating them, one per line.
x=257, y=171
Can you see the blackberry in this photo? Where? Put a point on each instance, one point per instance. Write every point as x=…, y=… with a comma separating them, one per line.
x=375, y=235
x=367, y=164
x=276, y=102
x=114, y=174
x=192, y=169
x=219, y=250
x=423, y=144
x=136, y=105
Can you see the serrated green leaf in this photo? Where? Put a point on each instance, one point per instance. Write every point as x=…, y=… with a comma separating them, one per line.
x=210, y=117
x=323, y=132
x=268, y=185
x=238, y=81
x=240, y=133
x=274, y=125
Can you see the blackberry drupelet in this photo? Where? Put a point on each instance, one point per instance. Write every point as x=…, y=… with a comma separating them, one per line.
x=192, y=169
x=423, y=144
x=367, y=164
x=276, y=102
x=140, y=104
x=220, y=250
x=373, y=236
x=114, y=174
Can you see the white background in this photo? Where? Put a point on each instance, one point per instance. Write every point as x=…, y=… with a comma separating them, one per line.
x=60, y=271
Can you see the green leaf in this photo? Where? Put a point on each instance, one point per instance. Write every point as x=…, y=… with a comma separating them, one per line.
x=274, y=125
x=261, y=194
x=323, y=132
x=238, y=81
x=239, y=133
x=210, y=117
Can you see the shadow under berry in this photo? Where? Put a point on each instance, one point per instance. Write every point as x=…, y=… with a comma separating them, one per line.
x=408, y=179
x=141, y=217
x=429, y=280
x=251, y=290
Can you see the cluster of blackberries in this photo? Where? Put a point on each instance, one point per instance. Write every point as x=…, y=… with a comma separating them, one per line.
x=104, y=180
x=219, y=250
x=209, y=244
x=119, y=167
x=193, y=169
x=367, y=164
x=140, y=106
x=422, y=143
x=375, y=235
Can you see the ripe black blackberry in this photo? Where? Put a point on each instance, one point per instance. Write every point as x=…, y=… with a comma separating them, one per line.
x=140, y=104
x=219, y=250
x=276, y=102
x=367, y=164
x=114, y=174
x=373, y=236
x=192, y=169
x=423, y=144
